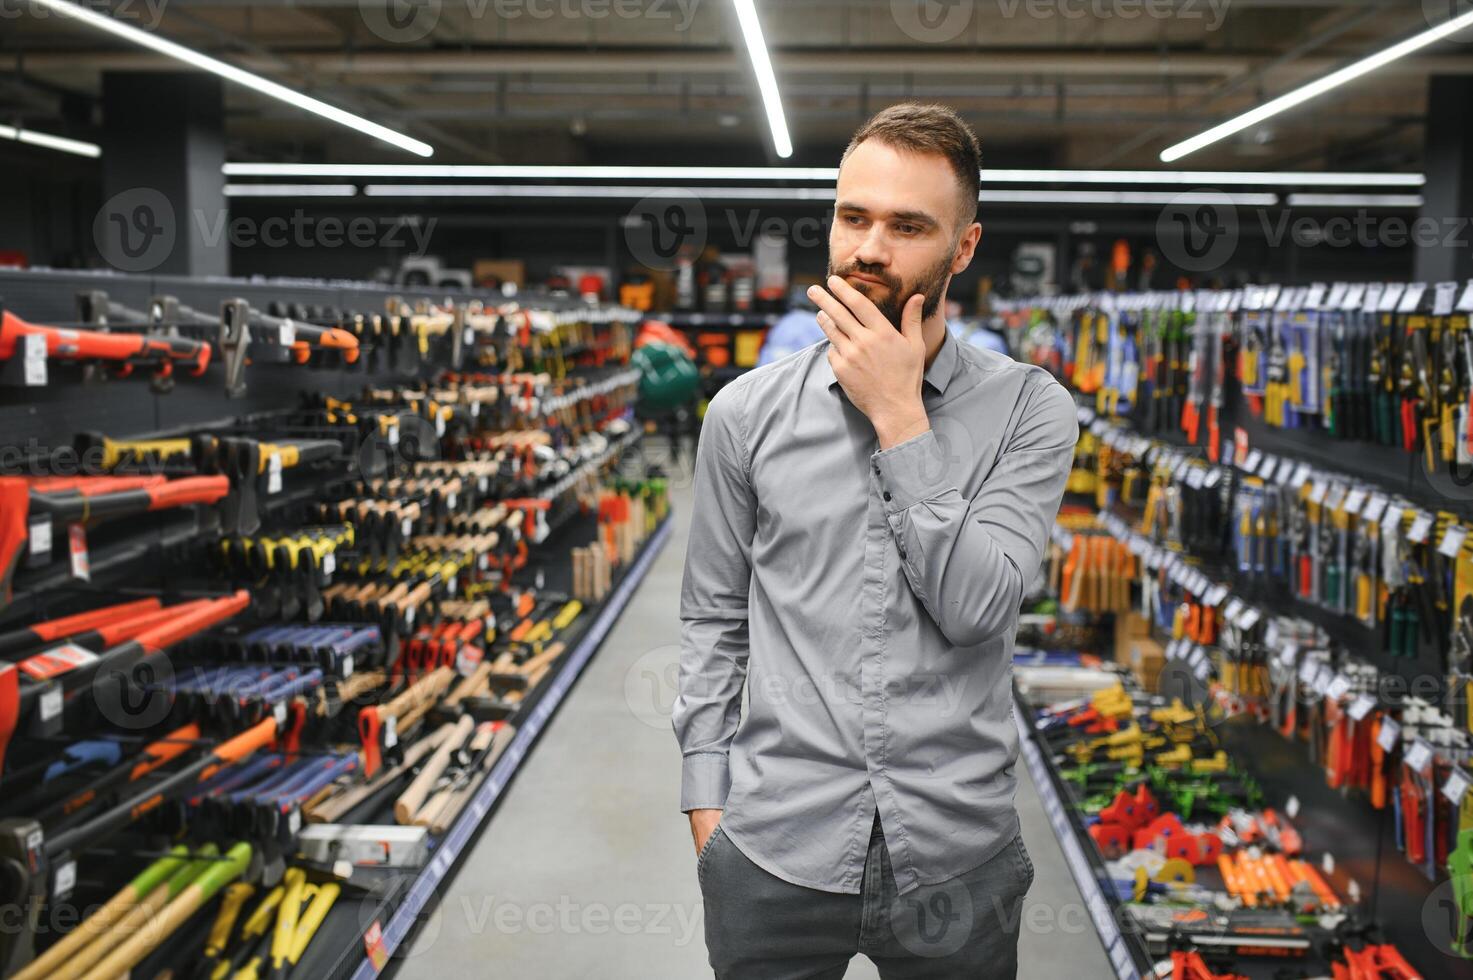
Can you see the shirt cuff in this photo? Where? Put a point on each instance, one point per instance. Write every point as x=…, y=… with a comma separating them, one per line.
x=911, y=471
x=705, y=782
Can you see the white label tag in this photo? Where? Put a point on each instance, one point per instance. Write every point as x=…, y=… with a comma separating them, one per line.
x=1327, y=863
x=1452, y=540
x=1301, y=473
x=1418, y=756
x=1291, y=807
x=1456, y=786
x=1355, y=501
x=391, y=732
x=66, y=880
x=51, y=701
x=1389, y=296
x=40, y=537
x=346, y=668
x=1267, y=469
x=1360, y=707
x=1248, y=618
x=1254, y=458
x=1211, y=479
x=273, y=473
x=1375, y=507
x=278, y=712
x=1286, y=470
x=288, y=333
x=1338, y=688
x=1234, y=609
x=1216, y=595
x=393, y=436
x=1317, y=491
x=1421, y=524
x=1442, y=298
x=294, y=821
x=1465, y=303
x=329, y=563
x=439, y=424
x=406, y=528
x=77, y=548
x=1411, y=297
x=1389, y=734
x=35, y=359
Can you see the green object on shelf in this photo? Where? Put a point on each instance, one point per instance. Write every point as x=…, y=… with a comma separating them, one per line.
x=668, y=377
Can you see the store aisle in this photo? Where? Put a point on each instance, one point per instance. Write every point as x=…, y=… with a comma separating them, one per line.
x=587, y=869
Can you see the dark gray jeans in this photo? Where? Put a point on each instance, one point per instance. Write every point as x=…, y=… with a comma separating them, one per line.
x=759, y=927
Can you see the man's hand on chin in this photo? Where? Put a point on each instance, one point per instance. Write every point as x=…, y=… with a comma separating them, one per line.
x=702, y=823
x=880, y=369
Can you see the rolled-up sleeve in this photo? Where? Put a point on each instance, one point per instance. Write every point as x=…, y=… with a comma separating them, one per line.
x=968, y=561
x=713, y=605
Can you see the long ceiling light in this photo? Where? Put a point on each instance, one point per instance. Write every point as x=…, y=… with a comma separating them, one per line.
x=179, y=52
x=672, y=175
x=1355, y=200
x=746, y=11
x=632, y=191
x=1317, y=87
x=79, y=147
x=291, y=190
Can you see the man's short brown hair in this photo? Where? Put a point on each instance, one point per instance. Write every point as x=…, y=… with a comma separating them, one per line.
x=916, y=128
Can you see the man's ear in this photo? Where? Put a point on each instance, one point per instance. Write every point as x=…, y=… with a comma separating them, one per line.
x=966, y=247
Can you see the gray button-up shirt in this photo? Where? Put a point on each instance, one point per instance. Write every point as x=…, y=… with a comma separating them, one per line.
x=868, y=602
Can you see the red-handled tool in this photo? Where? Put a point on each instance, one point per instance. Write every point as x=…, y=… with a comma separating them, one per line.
x=85, y=345
x=54, y=630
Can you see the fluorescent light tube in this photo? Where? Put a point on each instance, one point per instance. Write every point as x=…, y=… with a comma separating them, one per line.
x=1355, y=200
x=231, y=73
x=1317, y=87
x=673, y=175
x=290, y=190
x=80, y=147
x=746, y=11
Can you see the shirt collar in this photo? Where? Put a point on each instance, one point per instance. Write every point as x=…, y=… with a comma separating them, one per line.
x=938, y=375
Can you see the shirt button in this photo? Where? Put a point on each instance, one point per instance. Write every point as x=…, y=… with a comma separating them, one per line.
x=887, y=496
x=902, y=554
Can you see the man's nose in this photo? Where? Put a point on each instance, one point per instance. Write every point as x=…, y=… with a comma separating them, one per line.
x=873, y=249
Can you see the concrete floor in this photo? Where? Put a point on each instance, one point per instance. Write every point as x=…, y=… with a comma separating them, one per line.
x=588, y=871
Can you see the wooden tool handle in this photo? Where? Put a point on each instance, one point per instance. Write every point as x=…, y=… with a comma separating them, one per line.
x=479, y=678
x=413, y=798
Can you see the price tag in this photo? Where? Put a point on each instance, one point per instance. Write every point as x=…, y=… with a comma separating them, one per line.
x=1308, y=671
x=1443, y=295
x=1194, y=477
x=1389, y=735
x=81, y=566
x=1360, y=707
x=1456, y=786
x=1287, y=653
x=1212, y=478
x=406, y=528
x=1291, y=807
x=1247, y=619
x=393, y=436
x=1338, y=687
x=1389, y=296
x=35, y=359
x=1418, y=756
x=1322, y=680
x=1411, y=298
x=294, y=821
x=279, y=712
x=1354, y=296
x=1233, y=610
x=475, y=410
x=482, y=484
x=273, y=473
x=66, y=880
x=1421, y=524
x=1317, y=491
x=1216, y=594
x=1352, y=891
x=40, y=538
x=288, y=333
x=1465, y=303
x=391, y=732
x=409, y=616
x=1315, y=297
x=1374, y=508
x=1327, y=863
x=1452, y=540
x=450, y=500
x=1355, y=501
x=329, y=563
x=51, y=700
x=1254, y=458
x=1301, y=473
x=1267, y=469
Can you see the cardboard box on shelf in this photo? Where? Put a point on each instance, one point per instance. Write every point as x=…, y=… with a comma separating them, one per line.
x=1146, y=658
x=499, y=270
x=1129, y=625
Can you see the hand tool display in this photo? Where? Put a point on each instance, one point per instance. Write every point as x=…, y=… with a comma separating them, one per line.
x=251, y=660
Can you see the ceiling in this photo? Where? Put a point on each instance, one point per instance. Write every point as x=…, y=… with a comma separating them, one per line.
x=1062, y=83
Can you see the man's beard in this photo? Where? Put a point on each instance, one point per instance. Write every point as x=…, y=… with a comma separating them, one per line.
x=931, y=284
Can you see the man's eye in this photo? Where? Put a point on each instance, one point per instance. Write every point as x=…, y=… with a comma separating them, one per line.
x=907, y=229
x=853, y=219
